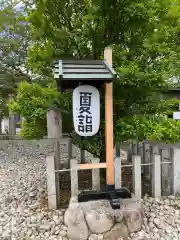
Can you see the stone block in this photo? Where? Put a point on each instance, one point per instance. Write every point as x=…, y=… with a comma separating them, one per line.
x=101, y=218
x=119, y=230
x=77, y=228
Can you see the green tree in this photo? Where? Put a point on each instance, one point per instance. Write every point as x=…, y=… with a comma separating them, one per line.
x=145, y=39
x=32, y=102
x=14, y=41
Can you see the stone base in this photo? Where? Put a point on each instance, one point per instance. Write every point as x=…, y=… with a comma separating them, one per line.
x=97, y=217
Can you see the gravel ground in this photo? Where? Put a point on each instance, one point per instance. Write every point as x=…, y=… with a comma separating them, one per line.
x=23, y=203
x=24, y=214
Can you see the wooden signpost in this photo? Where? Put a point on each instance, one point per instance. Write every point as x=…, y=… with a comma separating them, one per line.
x=109, y=123
x=84, y=78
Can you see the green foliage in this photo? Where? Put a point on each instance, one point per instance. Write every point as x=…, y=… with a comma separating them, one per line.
x=32, y=102
x=145, y=40
x=33, y=129
x=149, y=128
x=14, y=41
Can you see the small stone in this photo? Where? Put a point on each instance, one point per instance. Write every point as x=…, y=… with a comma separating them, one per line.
x=63, y=233
x=29, y=233
x=166, y=202
x=2, y=214
x=57, y=232
x=61, y=213
x=118, y=216
x=45, y=227
x=100, y=237
x=9, y=199
x=93, y=237
x=34, y=206
x=33, y=219
x=14, y=230
x=63, y=227
x=153, y=215
x=171, y=197
x=6, y=234
x=133, y=220
x=32, y=194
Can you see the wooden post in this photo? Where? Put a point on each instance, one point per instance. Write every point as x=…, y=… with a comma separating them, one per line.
x=136, y=161
x=134, y=149
x=95, y=176
x=57, y=167
x=70, y=151
x=117, y=166
x=51, y=182
x=74, y=177
x=176, y=171
x=70, y=148
x=147, y=159
x=109, y=123
x=54, y=123
x=118, y=177
x=141, y=152
x=82, y=153
x=156, y=176
x=54, y=129
x=166, y=185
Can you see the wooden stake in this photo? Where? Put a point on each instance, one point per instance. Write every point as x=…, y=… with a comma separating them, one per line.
x=109, y=123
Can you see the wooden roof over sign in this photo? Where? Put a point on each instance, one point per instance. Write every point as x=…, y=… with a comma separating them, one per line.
x=83, y=69
x=69, y=73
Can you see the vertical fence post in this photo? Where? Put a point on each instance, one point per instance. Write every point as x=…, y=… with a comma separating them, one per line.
x=154, y=150
x=51, y=182
x=95, y=176
x=176, y=171
x=134, y=148
x=166, y=173
x=136, y=161
x=82, y=152
x=117, y=166
x=141, y=152
x=57, y=163
x=145, y=152
x=82, y=155
x=70, y=151
x=74, y=177
x=147, y=159
x=54, y=123
x=156, y=176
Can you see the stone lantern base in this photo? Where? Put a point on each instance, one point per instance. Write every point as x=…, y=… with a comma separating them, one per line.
x=97, y=217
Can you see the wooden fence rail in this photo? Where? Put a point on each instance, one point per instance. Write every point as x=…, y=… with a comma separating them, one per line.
x=155, y=170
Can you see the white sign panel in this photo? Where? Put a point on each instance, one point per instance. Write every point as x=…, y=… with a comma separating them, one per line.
x=86, y=110
x=176, y=115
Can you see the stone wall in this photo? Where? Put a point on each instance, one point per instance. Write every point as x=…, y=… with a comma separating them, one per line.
x=15, y=149
x=25, y=148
